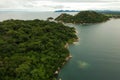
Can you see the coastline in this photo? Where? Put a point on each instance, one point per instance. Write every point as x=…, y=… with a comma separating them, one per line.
x=68, y=57
x=63, y=63
x=66, y=60
x=84, y=23
x=77, y=40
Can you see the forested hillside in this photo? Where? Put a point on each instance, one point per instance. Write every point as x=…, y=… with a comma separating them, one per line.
x=32, y=49
x=83, y=17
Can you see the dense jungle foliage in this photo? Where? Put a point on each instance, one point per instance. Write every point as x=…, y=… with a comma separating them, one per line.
x=33, y=49
x=83, y=17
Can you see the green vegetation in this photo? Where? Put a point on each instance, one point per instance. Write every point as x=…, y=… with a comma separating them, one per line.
x=67, y=18
x=32, y=49
x=83, y=17
x=113, y=15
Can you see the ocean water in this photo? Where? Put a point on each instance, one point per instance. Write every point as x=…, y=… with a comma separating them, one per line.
x=28, y=15
x=97, y=54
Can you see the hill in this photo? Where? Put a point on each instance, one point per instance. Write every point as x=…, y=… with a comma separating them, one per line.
x=67, y=18
x=83, y=17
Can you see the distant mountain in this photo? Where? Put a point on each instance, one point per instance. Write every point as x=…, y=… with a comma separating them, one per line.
x=108, y=12
x=100, y=11
x=67, y=11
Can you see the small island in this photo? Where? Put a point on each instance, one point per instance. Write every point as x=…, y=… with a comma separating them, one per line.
x=83, y=17
x=33, y=49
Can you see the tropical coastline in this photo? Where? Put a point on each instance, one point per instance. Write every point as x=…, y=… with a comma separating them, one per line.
x=69, y=56
x=24, y=43
x=60, y=40
x=65, y=45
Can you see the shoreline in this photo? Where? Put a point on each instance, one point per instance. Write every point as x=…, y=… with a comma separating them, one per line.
x=84, y=23
x=68, y=57
x=59, y=68
x=66, y=60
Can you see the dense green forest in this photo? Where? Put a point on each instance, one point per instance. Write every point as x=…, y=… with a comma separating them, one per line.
x=33, y=49
x=83, y=17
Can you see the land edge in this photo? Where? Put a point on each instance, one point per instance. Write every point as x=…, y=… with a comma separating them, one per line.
x=82, y=23
x=68, y=57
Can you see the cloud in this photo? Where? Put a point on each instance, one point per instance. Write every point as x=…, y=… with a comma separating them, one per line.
x=86, y=0
x=55, y=7
x=15, y=3
x=47, y=5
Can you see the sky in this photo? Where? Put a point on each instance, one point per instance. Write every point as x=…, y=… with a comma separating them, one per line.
x=51, y=5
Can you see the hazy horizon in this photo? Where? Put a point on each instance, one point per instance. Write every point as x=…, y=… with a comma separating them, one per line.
x=52, y=5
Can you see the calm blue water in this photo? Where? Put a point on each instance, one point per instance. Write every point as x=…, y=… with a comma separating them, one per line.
x=4, y=15
x=97, y=54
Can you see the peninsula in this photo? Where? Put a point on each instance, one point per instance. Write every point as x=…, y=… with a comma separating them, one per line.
x=83, y=17
x=33, y=49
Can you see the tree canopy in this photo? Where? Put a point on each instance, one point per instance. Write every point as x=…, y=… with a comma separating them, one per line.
x=32, y=49
x=83, y=17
